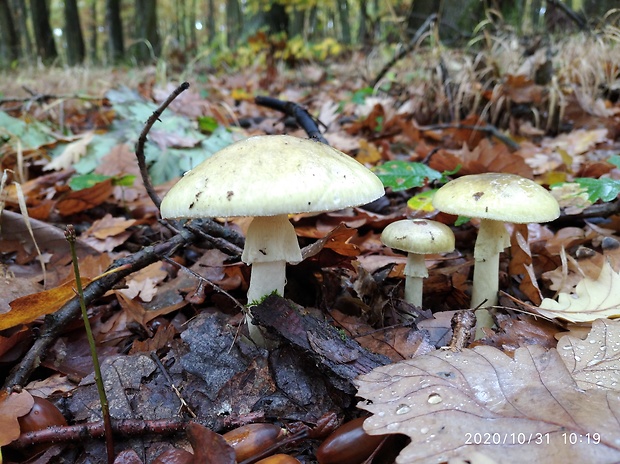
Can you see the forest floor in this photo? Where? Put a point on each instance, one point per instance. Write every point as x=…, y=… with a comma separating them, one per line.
x=166, y=305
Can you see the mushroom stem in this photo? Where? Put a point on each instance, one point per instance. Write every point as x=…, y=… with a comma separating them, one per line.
x=415, y=272
x=270, y=243
x=491, y=241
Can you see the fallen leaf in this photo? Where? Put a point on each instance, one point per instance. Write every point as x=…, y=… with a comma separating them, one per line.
x=28, y=308
x=595, y=361
x=209, y=447
x=480, y=404
x=12, y=406
x=593, y=299
x=72, y=153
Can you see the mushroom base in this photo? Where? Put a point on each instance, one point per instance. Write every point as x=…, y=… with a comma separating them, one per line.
x=266, y=278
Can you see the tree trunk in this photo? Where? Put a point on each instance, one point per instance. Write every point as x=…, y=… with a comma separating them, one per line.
x=148, y=45
x=9, y=41
x=211, y=22
x=116, y=46
x=94, y=34
x=73, y=34
x=20, y=15
x=343, y=15
x=234, y=22
x=43, y=36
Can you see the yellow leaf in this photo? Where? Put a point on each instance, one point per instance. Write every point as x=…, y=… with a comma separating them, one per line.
x=28, y=308
x=593, y=299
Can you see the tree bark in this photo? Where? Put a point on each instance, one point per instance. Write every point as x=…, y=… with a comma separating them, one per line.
x=234, y=22
x=116, y=46
x=148, y=46
x=43, y=36
x=20, y=15
x=9, y=41
x=343, y=16
x=211, y=22
x=73, y=34
x=94, y=33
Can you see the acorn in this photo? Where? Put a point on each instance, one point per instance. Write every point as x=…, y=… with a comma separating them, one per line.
x=249, y=440
x=43, y=414
x=348, y=444
x=279, y=459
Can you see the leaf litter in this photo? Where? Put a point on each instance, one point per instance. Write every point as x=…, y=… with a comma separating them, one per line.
x=350, y=281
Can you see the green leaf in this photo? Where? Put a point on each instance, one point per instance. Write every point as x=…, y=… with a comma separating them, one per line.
x=402, y=175
x=604, y=189
x=615, y=160
x=422, y=201
x=359, y=97
x=207, y=124
x=460, y=220
x=88, y=180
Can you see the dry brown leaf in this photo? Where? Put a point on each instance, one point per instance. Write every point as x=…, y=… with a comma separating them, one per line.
x=28, y=308
x=72, y=153
x=593, y=299
x=481, y=404
x=12, y=406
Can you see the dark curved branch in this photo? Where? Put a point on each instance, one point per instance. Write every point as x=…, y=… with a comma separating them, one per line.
x=144, y=171
x=301, y=115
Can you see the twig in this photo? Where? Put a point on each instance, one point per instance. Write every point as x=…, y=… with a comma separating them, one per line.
x=76, y=433
x=144, y=172
x=176, y=391
x=57, y=322
x=572, y=15
x=301, y=115
x=488, y=128
x=103, y=399
x=405, y=51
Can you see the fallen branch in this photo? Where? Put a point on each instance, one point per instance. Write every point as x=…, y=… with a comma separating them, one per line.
x=301, y=115
x=489, y=129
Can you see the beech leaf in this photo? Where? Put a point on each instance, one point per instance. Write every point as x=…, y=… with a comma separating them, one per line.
x=593, y=299
x=481, y=405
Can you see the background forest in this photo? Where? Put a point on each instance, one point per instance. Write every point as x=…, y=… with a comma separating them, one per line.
x=104, y=32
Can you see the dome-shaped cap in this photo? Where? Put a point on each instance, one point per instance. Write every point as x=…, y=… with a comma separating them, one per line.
x=270, y=175
x=499, y=197
x=420, y=236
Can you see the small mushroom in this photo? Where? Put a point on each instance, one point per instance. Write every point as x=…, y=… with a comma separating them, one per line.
x=418, y=237
x=494, y=198
x=269, y=177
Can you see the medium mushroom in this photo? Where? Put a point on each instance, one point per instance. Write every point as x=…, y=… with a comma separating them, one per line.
x=494, y=198
x=418, y=237
x=269, y=177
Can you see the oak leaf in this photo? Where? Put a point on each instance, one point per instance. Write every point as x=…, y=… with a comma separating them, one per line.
x=593, y=299
x=483, y=406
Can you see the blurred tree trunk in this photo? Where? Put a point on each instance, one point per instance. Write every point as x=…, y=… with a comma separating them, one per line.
x=43, y=36
x=94, y=33
x=116, y=46
x=234, y=22
x=20, y=15
x=277, y=18
x=9, y=40
x=192, y=24
x=148, y=47
x=296, y=24
x=73, y=34
x=211, y=22
x=343, y=15
x=456, y=18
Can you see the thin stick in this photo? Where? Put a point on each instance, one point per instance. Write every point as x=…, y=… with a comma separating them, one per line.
x=103, y=399
x=144, y=172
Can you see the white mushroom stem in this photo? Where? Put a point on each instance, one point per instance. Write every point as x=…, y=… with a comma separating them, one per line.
x=415, y=273
x=492, y=239
x=270, y=243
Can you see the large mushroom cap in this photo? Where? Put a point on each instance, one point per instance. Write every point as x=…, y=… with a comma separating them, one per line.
x=420, y=236
x=270, y=175
x=499, y=197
